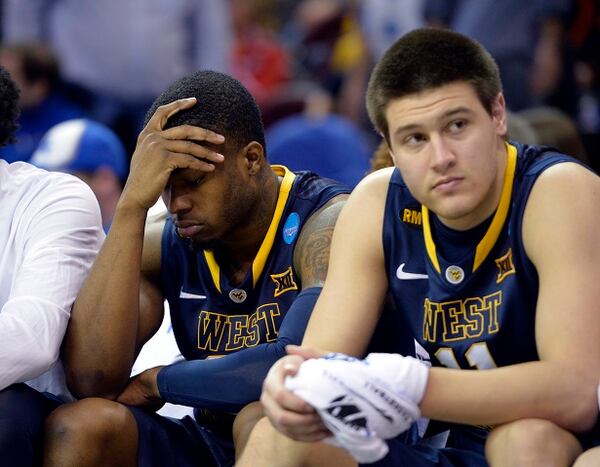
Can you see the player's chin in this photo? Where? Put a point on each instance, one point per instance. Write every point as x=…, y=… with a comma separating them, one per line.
x=201, y=242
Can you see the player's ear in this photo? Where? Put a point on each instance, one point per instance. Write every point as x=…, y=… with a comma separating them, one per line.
x=499, y=114
x=254, y=157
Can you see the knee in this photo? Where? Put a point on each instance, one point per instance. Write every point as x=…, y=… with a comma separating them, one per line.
x=590, y=458
x=245, y=422
x=531, y=442
x=86, y=421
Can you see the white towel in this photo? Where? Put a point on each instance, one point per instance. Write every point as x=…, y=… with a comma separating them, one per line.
x=362, y=402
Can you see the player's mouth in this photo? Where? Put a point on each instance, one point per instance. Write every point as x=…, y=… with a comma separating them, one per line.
x=188, y=229
x=447, y=184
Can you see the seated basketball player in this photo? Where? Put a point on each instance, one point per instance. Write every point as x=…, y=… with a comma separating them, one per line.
x=490, y=250
x=241, y=259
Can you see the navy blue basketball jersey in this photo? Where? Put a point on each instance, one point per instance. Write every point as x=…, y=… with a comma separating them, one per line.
x=212, y=317
x=470, y=306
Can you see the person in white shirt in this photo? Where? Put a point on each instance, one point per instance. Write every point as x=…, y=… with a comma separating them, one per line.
x=50, y=233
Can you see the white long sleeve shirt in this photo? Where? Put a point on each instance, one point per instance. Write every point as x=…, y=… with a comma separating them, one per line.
x=50, y=233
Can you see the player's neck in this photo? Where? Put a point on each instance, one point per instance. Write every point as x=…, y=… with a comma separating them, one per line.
x=236, y=253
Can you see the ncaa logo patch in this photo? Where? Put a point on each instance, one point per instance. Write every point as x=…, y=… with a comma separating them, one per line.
x=291, y=228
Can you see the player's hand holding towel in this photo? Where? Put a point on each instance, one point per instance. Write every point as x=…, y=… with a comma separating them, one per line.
x=363, y=402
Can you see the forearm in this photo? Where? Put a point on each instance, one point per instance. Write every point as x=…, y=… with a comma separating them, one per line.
x=554, y=391
x=225, y=384
x=100, y=344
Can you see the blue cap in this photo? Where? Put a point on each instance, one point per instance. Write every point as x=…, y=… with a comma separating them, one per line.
x=81, y=145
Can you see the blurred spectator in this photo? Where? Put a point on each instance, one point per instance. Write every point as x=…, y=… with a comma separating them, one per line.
x=585, y=37
x=91, y=151
x=259, y=60
x=321, y=141
x=125, y=52
x=519, y=129
x=555, y=128
x=328, y=48
x=527, y=39
x=384, y=21
x=36, y=72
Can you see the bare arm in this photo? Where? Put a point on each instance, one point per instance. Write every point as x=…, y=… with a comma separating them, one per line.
x=561, y=232
x=311, y=254
x=118, y=308
x=347, y=310
x=353, y=294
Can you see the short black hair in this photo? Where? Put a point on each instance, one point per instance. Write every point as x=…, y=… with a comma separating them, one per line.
x=429, y=58
x=9, y=108
x=223, y=105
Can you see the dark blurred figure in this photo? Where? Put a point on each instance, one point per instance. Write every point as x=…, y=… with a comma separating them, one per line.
x=555, y=128
x=585, y=37
x=527, y=40
x=36, y=72
x=120, y=54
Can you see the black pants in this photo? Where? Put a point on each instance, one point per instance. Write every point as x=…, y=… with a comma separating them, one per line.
x=22, y=414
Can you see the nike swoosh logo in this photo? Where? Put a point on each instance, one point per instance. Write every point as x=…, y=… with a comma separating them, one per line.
x=407, y=276
x=191, y=296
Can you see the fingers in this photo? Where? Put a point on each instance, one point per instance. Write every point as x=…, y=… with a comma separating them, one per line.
x=288, y=413
x=175, y=160
x=164, y=112
x=193, y=133
x=305, y=426
x=195, y=150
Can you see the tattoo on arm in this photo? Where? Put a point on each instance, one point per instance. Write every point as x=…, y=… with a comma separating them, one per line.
x=311, y=255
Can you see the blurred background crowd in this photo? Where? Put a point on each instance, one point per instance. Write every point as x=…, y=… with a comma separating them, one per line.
x=98, y=65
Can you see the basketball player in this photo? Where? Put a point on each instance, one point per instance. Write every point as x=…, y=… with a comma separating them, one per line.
x=490, y=250
x=241, y=260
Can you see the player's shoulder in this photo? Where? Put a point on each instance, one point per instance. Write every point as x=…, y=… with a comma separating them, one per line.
x=38, y=191
x=22, y=176
x=564, y=180
x=372, y=190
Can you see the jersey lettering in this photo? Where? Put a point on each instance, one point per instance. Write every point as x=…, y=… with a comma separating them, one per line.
x=461, y=319
x=227, y=333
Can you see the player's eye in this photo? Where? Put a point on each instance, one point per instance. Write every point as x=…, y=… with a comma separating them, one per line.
x=414, y=139
x=457, y=126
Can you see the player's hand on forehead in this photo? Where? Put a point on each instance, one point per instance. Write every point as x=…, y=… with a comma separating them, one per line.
x=187, y=134
x=159, y=152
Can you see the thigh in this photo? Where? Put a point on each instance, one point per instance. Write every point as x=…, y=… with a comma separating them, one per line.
x=182, y=442
x=22, y=414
